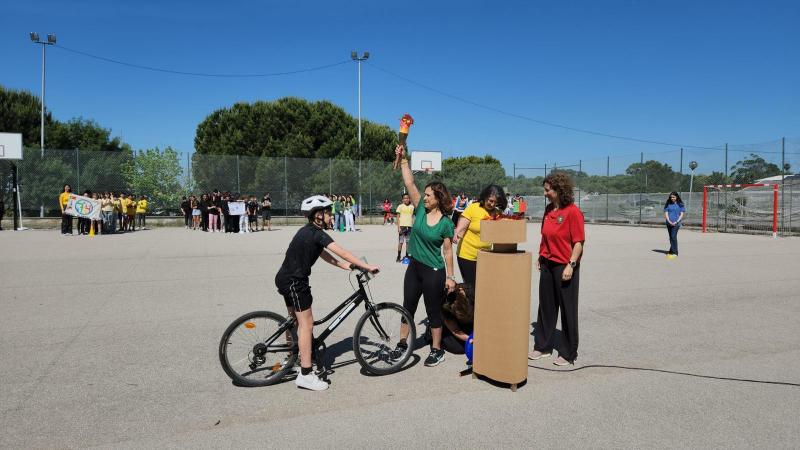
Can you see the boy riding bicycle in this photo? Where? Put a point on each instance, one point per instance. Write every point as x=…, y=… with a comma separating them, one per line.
x=292, y=280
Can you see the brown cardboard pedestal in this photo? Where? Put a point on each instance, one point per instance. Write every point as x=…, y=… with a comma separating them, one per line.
x=502, y=315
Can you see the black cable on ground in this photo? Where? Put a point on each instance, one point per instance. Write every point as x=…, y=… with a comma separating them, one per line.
x=671, y=372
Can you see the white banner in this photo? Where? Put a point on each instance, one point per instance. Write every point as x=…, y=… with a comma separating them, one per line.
x=85, y=207
x=236, y=208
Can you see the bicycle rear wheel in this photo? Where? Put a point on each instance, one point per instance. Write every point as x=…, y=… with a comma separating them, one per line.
x=376, y=336
x=258, y=349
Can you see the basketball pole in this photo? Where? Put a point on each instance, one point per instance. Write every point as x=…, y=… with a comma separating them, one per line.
x=15, y=199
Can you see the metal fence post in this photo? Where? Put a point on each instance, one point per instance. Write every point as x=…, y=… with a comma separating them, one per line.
x=238, y=184
x=783, y=185
x=285, y=191
x=608, y=182
x=189, y=172
x=78, y=168
x=726, y=190
x=580, y=169
x=641, y=170
x=330, y=176
x=369, y=165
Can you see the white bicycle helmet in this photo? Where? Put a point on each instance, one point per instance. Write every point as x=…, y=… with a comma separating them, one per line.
x=315, y=203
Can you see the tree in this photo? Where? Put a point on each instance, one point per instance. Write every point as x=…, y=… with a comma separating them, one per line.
x=753, y=168
x=20, y=112
x=78, y=133
x=294, y=128
x=470, y=174
x=157, y=174
x=654, y=176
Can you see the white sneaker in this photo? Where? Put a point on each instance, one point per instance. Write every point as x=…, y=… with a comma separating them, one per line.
x=310, y=381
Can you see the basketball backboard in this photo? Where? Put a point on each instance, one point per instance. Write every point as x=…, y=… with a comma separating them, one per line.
x=10, y=146
x=423, y=161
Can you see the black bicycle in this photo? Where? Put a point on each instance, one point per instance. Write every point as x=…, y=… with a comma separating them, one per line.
x=260, y=348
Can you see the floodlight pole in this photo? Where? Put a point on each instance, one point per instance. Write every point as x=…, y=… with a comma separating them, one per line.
x=692, y=166
x=358, y=59
x=51, y=40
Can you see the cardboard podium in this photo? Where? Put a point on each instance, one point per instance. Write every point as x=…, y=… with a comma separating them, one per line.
x=502, y=304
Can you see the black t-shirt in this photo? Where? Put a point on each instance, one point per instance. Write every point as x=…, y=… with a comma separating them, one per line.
x=186, y=208
x=303, y=252
x=212, y=208
x=252, y=208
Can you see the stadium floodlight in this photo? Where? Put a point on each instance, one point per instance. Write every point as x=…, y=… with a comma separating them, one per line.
x=693, y=165
x=353, y=56
x=51, y=38
x=366, y=55
x=34, y=36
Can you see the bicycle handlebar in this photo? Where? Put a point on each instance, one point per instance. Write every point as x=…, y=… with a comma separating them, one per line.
x=363, y=271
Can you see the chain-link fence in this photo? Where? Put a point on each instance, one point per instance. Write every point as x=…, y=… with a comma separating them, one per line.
x=628, y=189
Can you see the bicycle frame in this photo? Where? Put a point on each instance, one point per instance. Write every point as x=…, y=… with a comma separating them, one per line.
x=343, y=310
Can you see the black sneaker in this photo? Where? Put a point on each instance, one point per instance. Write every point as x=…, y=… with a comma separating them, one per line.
x=398, y=259
x=436, y=356
x=399, y=351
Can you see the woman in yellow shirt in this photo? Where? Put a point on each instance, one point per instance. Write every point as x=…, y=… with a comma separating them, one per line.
x=66, y=219
x=491, y=202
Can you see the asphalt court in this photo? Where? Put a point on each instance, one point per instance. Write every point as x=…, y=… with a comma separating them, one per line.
x=112, y=341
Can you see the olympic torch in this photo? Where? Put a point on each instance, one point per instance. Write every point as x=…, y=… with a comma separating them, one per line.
x=405, y=124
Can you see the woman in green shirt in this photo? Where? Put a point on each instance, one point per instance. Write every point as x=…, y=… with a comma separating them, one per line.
x=429, y=273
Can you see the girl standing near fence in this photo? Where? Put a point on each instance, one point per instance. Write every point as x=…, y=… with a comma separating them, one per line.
x=673, y=213
x=266, y=212
x=196, y=215
x=349, y=218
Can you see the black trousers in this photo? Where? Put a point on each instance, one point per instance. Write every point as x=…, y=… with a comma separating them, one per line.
x=83, y=225
x=204, y=221
x=66, y=224
x=555, y=295
x=187, y=219
x=468, y=269
x=421, y=280
x=673, y=238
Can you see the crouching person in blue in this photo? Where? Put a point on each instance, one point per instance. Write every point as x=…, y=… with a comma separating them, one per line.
x=292, y=280
x=457, y=313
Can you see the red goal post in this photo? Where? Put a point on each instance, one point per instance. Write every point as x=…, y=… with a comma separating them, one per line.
x=742, y=216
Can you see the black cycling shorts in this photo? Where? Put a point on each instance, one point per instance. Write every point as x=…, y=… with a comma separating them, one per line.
x=296, y=294
x=404, y=235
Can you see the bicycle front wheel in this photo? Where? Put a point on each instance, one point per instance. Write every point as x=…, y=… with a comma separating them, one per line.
x=258, y=349
x=376, y=337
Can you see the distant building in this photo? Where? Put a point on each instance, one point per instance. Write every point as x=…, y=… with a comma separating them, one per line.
x=794, y=180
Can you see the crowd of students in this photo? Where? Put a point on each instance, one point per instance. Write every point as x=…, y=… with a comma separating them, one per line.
x=120, y=212
x=218, y=212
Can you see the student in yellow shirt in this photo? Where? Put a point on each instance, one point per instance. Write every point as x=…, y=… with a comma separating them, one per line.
x=405, y=220
x=130, y=209
x=66, y=219
x=141, y=211
x=468, y=232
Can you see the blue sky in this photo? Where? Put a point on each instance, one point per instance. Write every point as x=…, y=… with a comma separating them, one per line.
x=698, y=73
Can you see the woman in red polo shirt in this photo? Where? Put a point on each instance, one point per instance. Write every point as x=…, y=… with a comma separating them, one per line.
x=559, y=266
